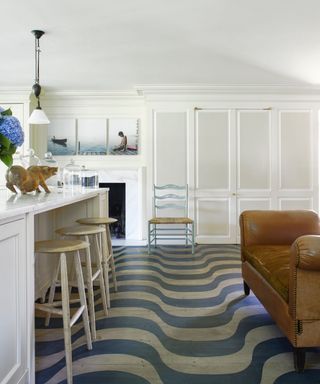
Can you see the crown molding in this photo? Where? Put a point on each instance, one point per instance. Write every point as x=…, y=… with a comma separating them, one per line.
x=200, y=89
x=15, y=94
x=91, y=94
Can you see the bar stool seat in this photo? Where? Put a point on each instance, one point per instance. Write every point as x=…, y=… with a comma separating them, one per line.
x=64, y=248
x=97, y=220
x=107, y=247
x=94, y=232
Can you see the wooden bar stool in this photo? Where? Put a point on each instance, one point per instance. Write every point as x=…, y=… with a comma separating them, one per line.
x=95, y=232
x=63, y=248
x=107, y=247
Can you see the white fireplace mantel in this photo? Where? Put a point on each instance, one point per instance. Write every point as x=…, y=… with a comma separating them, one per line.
x=134, y=179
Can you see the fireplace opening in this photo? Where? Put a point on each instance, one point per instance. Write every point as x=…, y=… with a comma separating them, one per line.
x=117, y=208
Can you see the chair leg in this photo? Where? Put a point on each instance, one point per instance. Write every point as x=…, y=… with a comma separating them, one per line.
x=186, y=234
x=246, y=288
x=149, y=237
x=105, y=266
x=192, y=237
x=101, y=278
x=299, y=357
x=66, y=316
x=155, y=235
x=83, y=301
x=113, y=268
x=90, y=290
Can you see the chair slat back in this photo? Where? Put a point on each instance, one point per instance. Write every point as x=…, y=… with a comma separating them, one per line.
x=171, y=197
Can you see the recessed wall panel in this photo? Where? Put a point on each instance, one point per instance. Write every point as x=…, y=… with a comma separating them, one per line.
x=253, y=150
x=295, y=203
x=295, y=150
x=213, y=217
x=212, y=155
x=170, y=144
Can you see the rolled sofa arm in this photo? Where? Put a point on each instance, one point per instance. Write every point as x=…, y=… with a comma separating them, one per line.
x=307, y=252
x=304, y=278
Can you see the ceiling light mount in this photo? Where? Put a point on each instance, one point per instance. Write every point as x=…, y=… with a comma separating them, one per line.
x=38, y=116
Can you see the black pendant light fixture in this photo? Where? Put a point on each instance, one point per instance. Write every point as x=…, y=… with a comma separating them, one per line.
x=37, y=116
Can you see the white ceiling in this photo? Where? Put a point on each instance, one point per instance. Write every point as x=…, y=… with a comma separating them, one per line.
x=117, y=44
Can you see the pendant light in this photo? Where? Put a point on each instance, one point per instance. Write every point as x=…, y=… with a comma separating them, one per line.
x=37, y=116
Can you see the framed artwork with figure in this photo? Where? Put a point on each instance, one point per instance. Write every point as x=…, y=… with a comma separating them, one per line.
x=123, y=136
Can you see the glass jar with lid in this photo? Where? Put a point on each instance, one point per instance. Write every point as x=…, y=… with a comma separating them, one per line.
x=71, y=175
x=89, y=178
x=29, y=158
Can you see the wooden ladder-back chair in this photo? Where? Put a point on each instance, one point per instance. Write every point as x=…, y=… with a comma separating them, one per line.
x=170, y=197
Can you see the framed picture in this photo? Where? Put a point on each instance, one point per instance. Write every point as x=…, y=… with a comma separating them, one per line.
x=91, y=136
x=62, y=137
x=123, y=136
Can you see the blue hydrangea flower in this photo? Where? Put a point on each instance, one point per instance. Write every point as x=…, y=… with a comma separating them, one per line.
x=11, y=128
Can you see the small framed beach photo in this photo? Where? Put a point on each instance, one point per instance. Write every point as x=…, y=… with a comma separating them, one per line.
x=62, y=137
x=123, y=136
x=92, y=137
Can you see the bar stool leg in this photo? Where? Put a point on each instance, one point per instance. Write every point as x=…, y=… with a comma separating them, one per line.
x=83, y=301
x=101, y=278
x=66, y=316
x=52, y=293
x=113, y=269
x=105, y=266
x=90, y=290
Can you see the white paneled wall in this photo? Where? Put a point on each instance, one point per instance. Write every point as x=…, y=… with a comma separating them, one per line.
x=236, y=157
x=170, y=148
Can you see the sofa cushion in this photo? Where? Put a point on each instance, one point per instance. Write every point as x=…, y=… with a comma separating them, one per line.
x=272, y=262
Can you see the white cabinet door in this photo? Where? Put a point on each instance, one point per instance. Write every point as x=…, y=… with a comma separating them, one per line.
x=215, y=176
x=252, y=159
x=13, y=303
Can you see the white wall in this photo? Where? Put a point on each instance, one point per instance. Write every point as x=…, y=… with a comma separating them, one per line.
x=172, y=110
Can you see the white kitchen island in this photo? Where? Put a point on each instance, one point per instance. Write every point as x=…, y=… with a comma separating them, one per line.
x=24, y=219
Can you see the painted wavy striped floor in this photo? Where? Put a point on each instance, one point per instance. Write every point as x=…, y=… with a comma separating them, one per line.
x=176, y=319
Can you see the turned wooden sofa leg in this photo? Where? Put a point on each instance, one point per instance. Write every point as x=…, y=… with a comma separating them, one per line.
x=246, y=288
x=299, y=357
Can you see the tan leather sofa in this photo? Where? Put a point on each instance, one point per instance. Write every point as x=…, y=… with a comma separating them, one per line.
x=280, y=252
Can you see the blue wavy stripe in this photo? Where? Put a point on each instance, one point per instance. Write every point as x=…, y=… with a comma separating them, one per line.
x=184, y=303
x=309, y=376
x=175, y=321
x=179, y=257
x=181, y=288
x=107, y=377
x=192, y=267
x=176, y=276
x=250, y=375
x=180, y=347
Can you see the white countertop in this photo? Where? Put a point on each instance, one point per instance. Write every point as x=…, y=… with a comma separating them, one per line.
x=17, y=204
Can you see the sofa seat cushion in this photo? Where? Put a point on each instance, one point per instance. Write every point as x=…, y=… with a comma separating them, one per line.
x=272, y=262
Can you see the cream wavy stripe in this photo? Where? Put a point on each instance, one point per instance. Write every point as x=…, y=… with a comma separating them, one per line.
x=51, y=334
x=43, y=362
x=209, y=294
x=117, y=362
x=172, y=250
x=173, y=281
x=179, y=271
x=276, y=366
x=224, y=364
x=221, y=332
x=206, y=259
x=171, y=309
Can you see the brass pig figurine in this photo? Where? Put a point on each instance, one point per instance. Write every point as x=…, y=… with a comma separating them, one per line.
x=28, y=180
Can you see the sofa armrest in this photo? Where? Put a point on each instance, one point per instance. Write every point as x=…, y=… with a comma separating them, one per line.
x=304, y=283
x=307, y=252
